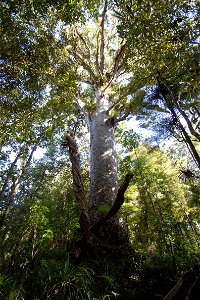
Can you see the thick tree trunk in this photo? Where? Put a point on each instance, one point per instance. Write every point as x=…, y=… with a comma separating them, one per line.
x=103, y=222
x=101, y=231
x=103, y=164
x=104, y=179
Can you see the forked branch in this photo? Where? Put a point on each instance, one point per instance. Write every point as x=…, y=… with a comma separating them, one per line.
x=117, y=64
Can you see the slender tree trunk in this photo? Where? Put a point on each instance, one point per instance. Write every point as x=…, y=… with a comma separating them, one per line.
x=172, y=105
x=189, y=124
x=16, y=187
x=186, y=137
x=11, y=170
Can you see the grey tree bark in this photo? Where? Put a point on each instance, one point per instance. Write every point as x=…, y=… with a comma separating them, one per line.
x=104, y=188
x=103, y=162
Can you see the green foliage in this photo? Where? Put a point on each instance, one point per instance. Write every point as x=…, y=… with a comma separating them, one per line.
x=130, y=140
x=43, y=230
x=9, y=289
x=158, y=207
x=164, y=54
x=39, y=224
x=104, y=208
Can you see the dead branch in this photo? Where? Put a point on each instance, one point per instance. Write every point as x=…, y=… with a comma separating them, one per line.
x=78, y=186
x=174, y=290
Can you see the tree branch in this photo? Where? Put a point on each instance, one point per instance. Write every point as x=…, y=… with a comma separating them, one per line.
x=97, y=56
x=84, y=42
x=189, y=124
x=123, y=116
x=118, y=58
x=78, y=186
x=21, y=173
x=82, y=61
x=117, y=65
x=102, y=42
x=116, y=205
x=79, y=191
x=9, y=173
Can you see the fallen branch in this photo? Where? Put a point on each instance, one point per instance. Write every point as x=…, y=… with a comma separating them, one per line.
x=172, y=293
x=174, y=290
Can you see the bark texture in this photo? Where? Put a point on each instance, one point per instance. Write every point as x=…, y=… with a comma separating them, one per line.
x=172, y=104
x=78, y=186
x=104, y=189
x=103, y=164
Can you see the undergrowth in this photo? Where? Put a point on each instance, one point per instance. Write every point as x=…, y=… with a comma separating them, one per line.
x=124, y=276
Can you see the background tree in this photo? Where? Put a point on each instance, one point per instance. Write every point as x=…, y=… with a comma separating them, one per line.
x=169, y=61
x=159, y=211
